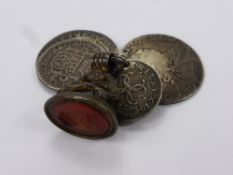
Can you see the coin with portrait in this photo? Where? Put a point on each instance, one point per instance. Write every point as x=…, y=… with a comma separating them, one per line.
x=178, y=65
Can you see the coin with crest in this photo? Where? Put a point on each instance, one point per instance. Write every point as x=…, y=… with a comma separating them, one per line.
x=177, y=64
x=137, y=91
x=99, y=39
x=66, y=58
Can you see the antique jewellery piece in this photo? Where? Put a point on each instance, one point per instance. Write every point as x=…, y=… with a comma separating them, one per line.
x=99, y=88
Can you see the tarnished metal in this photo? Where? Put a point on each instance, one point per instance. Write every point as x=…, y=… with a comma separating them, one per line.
x=178, y=65
x=109, y=62
x=102, y=41
x=98, y=89
x=87, y=94
x=135, y=93
x=66, y=58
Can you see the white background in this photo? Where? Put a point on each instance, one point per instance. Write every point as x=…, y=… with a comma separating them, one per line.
x=194, y=137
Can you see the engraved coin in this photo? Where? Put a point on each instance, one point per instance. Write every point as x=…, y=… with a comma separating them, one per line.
x=178, y=65
x=64, y=59
x=137, y=91
x=99, y=39
x=64, y=63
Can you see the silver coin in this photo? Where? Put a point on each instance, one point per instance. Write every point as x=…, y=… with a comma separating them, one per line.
x=63, y=64
x=178, y=65
x=99, y=39
x=66, y=58
x=137, y=91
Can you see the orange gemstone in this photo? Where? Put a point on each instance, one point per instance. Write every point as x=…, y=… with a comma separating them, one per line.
x=80, y=118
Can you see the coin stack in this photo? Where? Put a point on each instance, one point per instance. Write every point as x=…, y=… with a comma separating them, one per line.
x=100, y=87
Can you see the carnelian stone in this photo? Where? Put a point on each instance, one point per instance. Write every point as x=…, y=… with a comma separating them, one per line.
x=80, y=118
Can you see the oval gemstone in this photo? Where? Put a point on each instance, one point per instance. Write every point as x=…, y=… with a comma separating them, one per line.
x=80, y=118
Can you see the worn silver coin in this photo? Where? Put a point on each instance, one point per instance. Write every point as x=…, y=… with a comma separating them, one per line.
x=178, y=65
x=66, y=58
x=137, y=91
x=102, y=41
